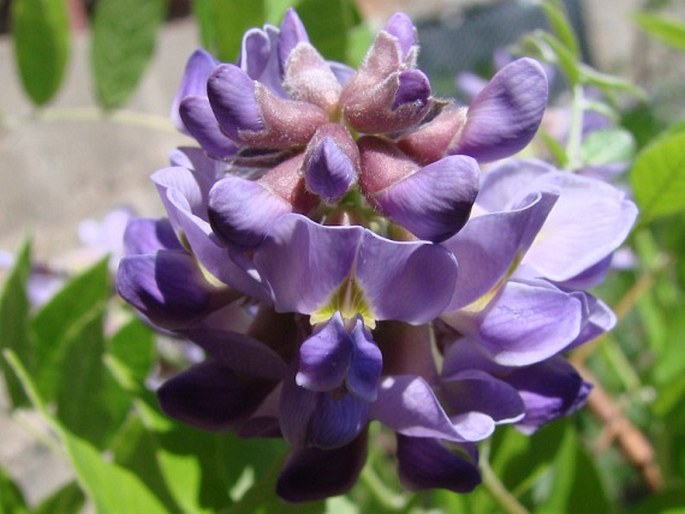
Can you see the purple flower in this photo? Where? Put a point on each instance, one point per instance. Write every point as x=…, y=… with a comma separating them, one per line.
x=335, y=225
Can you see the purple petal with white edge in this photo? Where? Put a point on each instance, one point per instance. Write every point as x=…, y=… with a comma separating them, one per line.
x=425, y=463
x=311, y=474
x=255, y=52
x=505, y=115
x=328, y=171
x=211, y=396
x=196, y=160
x=478, y=391
x=145, y=235
x=337, y=421
x=550, y=390
x=167, y=287
x=291, y=34
x=590, y=220
x=305, y=262
x=600, y=319
x=526, y=322
x=242, y=211
x=414, y=88
x=508, y=182
x=231, y=93
x=401, y=26
x=434, y=202
x=366, y=364
x=200, y=122
x=184, y=194
x=488, y=245
x=405, y=281
x=325, y=357
x=296, y=407
x=193, y=83
x=408, y=405
x=239, y=352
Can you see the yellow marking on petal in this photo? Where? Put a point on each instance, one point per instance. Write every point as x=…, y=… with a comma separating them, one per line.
x=482, y=302
x=349, y=300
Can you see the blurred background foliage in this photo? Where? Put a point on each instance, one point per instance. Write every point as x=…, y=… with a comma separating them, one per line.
x=78, y=369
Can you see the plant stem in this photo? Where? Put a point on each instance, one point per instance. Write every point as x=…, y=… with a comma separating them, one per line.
x=495, y=487
x=576, y=129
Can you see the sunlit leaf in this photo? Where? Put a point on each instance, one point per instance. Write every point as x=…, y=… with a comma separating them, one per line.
x=40, y=30
x=123, y=41
x=66, y=500
x=14, y=322
x=329, y=33
x=607, y=146
x=658, y=177
x=11, y=499
x=668, y=30
x=134, y=345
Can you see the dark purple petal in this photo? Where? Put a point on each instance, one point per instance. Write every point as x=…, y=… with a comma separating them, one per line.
x=325, y=357
x=312, y=474
x=550, y=390
x=401, y=27
x=365, y=365
x=145, y=235
x=239, y=352
x=291, y=34
x=337, y=420
x=477, y=391
x=242, y=211
x=167, y=287
x=194, y=82
x=414, y=88
x=505, y=115
x=525, y=322
x=199, y=120
x=296, y=407
x=488, y=246
x=425, y=463
x=329, y=172
x=231, y=93
x=408, y=405
x=435, y=202
x=212, y=397
x=405, y=281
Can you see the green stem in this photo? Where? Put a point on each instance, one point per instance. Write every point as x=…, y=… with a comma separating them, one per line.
x=89, y=114
x=495, y=487
x=386, y=497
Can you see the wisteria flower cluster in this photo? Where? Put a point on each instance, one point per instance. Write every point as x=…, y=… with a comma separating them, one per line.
x=336, y=250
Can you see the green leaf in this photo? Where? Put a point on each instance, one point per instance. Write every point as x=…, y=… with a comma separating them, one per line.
x=112, y=488
x=668, y=30
x=133, y=345
x=222, y=24
x=329, y=33
x=608, y=84
x=559, y=22
x=80, y=299
x=607, y=146
x=670, y=501
x=67, y=500
x=11, y=499
x=658, y=177
x=14, y=324
x=41, y=45
x=123, y=41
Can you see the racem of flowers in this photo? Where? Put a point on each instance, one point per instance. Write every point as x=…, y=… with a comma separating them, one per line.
x=335, y=249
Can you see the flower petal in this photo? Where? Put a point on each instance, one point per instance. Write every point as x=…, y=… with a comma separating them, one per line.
x=505, y=115
x=193, y=83
x=408, y=406
x=337, y=421
x=425, y=463
x=145, y=235
x=212, y=397
x=325, y=357
x=200, y=122
x=366, y=364
x=312, y=474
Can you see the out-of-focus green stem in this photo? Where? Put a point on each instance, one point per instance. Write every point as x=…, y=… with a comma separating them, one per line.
x=576, y=129
x=388, y=498
x=495, y=487
x=123, y=117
